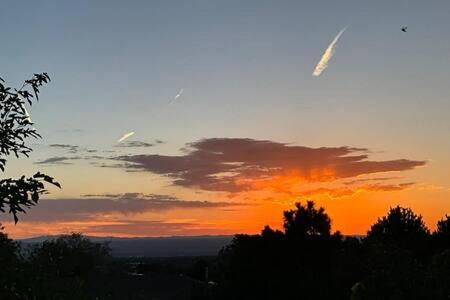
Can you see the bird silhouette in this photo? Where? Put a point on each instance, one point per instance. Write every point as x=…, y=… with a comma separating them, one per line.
x=404, y=28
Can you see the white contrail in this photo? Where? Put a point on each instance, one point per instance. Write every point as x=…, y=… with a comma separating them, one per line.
x=125, y=136
x=327, y=55
x=177, y=96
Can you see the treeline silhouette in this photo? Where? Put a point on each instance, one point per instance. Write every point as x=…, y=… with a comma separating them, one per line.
x=399, y=258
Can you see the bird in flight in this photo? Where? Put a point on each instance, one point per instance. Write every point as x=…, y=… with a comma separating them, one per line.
x=404, y=28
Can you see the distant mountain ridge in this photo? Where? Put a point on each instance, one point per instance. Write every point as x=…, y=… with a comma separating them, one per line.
x=207, y=245
x=203, y=245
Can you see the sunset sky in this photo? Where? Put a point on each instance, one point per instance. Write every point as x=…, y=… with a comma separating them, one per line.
x=252, y=130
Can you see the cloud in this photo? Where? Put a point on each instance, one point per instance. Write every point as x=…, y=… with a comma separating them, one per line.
x=58, y=160
x=70, y=148
x=343, y=192
x=327, y=55
x=361, y=180
x=145, y=228
x=134, y=144
x=67, y=160
x=124, y=228
x=62, y=146
x=94, y=207
x=238, y=164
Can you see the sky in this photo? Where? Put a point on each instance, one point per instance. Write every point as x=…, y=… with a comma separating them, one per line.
x=230, y=126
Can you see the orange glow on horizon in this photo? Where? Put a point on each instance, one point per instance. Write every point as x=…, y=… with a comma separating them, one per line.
x=352, y=209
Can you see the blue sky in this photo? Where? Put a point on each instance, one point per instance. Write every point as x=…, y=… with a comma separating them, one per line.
x=245, y=67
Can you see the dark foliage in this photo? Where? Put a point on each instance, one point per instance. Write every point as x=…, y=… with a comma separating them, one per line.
x=15, y=127
x=306, y=222
x=401, y=228
x=437, y=277
x=67, y=263
x=398, y=259
x=305, y=261
x=441, y=237
x=304, y=256
x=10, y=266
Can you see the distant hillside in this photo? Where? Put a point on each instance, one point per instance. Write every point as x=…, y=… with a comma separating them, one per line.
x=156, y=246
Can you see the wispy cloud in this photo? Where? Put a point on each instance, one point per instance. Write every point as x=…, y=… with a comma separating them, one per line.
x=135, y=144
x=125, y=136
x=69, y=148
x=327, y=55
x=62, y=146
x=344, y=192
x=375, y=179
x=58, y=160
x=67, y=160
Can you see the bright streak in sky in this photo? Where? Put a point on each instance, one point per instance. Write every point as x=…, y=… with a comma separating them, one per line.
x=327, y=55
x=125, y=136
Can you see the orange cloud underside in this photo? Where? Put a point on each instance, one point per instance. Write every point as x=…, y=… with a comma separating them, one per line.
x=288, y=181
x=352, y=211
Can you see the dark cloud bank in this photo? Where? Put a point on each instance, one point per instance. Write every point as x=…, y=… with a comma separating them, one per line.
x=88, y=207
x=217, y=164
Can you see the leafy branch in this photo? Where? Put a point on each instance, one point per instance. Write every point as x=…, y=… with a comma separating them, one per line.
x=15, y=127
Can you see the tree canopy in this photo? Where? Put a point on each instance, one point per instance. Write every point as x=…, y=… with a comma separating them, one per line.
x=397, y=259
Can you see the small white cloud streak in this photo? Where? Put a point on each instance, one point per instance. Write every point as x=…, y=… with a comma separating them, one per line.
x=327, y=55
x=125, y=136
x=177, y=96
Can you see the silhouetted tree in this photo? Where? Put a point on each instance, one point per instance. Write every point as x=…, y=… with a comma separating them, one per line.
x=437, y=282
x=391, y=272
x=9, y=264
x=401, y=228
x=314, y=252
x=65, y=267
x=306, y=221
x=308, y=261
x=15, y=127
x=396, y=249
x=441, y=236
x=295, y=264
